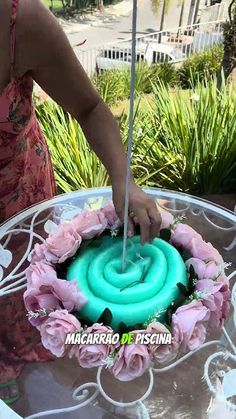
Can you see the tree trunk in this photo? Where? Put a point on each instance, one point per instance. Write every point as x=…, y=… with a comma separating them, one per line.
x=181, y=13
x=196, y=11
x=162, y=18
x=229, y=59
x=100, y=5
x=191, y=11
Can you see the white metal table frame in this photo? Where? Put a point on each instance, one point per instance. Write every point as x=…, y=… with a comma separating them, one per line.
x=16, y=280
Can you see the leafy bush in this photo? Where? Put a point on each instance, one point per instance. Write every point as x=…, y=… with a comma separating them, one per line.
x=165, y=73
x=182, y=144
x=114, y=85
x=74, y=164
x=189, y=145
x=110, y=85
x=201, y=66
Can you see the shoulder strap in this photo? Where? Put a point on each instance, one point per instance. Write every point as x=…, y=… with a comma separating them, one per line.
x=13, y=33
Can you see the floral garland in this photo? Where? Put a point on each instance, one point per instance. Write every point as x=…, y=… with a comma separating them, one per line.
x=51, y=302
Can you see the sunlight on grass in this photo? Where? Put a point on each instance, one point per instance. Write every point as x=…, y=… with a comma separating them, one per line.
x=57, y=4
x=123, y=106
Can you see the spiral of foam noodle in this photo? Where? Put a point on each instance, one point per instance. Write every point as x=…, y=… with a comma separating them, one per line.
x=148, y=285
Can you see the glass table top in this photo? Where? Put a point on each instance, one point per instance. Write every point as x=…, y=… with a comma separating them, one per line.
x=178, y=392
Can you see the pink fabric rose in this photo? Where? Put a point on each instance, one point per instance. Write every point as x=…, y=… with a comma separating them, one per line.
x=89, y=224
x=212, y=270
x=198, y=265
x=217, y=301
x=36, y=269
x=51, y=293
x=188, y=325
x=201, y=250
x=54, y=330
x=62, y=244
x=162, y=353
x=131, y=362
x=92, y=355
x=182, y=235
x=202, y=269
x=111, y=216
x=166, y=219
x=38, y=253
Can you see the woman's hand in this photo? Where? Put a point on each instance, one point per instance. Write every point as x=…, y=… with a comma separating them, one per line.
x=142, y=210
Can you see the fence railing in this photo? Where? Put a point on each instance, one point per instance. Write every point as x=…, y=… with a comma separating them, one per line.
x=174, y=44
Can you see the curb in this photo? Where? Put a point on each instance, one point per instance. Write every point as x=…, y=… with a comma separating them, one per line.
x=121, y=9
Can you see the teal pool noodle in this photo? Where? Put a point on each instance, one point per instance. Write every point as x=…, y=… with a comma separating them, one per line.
x=97, y=271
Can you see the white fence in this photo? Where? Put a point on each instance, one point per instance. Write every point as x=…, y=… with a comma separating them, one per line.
x=183, y=41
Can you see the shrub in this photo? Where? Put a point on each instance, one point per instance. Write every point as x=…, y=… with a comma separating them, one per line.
x=189, y=145
x=165, y=73
x=114, y=85
x=201, y=66
x=185, y=144
x=110, y=85
x=75, y=166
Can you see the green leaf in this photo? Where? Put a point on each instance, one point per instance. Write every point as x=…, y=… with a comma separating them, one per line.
x=182, y=289
x=169, y=316
x=106, y=317
x=192, y=273
x=165, y=234
x=122, y=328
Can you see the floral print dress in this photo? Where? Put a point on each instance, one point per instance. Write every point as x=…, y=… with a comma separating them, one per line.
x=26, y=178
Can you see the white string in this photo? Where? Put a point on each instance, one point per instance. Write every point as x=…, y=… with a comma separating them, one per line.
x=130, y=140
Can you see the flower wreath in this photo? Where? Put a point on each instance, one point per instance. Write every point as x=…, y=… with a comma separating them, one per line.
x=53, y=304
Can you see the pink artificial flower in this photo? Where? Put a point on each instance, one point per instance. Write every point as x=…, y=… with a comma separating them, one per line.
x=202, y=269
x=182, y=235
x=188, y=325
x=51, y=293
x=89, y=224
x=166, y=219
x=131, y=362
x=111, y=216
x=36, y=269
x=54, y=330
x=38, y=253
x=212, y=270
x=198, y=265
x=62, y=244
x=162, y=353
x=217, y=301
x=92, y=355
x=200, y=249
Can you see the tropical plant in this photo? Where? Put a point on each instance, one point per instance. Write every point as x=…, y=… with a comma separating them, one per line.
x=185, y=144
x=201, y=66
x=110, y=85
x=114, y=85
x=189, y=145
x=75, y=165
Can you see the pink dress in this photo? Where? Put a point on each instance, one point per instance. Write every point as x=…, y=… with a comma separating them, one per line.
x=26, y=178
x=26, y=175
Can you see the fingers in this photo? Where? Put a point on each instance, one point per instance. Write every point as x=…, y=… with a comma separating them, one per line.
x=149, y=220
x=145, y=224
x=131, y=227
x=155, y=219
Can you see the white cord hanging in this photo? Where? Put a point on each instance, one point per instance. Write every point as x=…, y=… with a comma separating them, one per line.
x=130, y=140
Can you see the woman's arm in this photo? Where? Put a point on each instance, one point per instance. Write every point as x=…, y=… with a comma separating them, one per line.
x=45, y=51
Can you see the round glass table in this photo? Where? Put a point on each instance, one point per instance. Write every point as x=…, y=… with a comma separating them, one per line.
x=184, y=389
